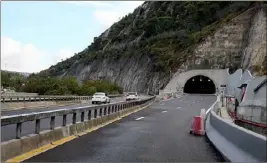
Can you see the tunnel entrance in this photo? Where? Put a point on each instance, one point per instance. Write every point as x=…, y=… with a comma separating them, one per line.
x=200, y=85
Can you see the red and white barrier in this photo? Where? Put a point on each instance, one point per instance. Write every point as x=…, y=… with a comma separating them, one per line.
x=197, y=124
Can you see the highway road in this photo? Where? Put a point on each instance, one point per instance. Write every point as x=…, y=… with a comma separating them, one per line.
x=9, y=132
x=159, y=133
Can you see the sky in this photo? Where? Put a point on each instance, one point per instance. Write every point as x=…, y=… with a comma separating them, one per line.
x=38, y=34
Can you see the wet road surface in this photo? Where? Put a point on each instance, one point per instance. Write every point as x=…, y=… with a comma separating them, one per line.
x=157, y=133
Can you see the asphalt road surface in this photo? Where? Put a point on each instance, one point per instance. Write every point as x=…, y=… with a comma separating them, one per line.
x=9, y=132
x=159, y=133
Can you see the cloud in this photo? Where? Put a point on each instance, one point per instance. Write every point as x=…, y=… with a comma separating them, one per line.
x=16, y=56
x=113, y=14
x=62, y=55
x=108, y=12
x=25, y=57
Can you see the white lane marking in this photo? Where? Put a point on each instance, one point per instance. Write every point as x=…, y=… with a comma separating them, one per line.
x=178, y=107
x=164, y=111
x=139, y=118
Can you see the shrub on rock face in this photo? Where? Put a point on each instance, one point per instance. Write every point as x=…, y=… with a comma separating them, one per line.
x=67, y=86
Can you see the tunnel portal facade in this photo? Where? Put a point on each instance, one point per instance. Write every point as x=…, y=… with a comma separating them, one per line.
x=208, y=81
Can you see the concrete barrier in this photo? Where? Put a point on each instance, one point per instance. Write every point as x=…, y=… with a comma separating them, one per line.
x=235, y=143
x=105, y=114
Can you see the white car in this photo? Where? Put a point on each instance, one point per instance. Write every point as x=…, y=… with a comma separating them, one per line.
x=132, y=96
x=100, y=97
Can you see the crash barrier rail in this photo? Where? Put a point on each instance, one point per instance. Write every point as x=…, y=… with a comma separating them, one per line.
x=18, y=94
x=254, y=122
x=48, y=98
x=89, y=112
x=236, y=144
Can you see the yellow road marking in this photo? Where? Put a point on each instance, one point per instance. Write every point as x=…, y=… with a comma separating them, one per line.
x=54, y=144
x=64, y=140
x=30, y=154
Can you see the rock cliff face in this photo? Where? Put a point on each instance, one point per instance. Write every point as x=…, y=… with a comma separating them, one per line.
x=132, y=74
x=238, y=41
x=254, y=54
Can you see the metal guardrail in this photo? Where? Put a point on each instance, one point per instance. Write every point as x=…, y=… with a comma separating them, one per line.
x=47, y=98
x=92, y=113
x=18, y=94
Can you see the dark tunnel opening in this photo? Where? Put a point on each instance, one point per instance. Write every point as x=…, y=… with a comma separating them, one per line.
x=200, y=85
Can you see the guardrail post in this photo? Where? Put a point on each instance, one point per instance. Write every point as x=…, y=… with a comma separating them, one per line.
x=89, y=114
x=37, y=126
x=74, y=118
x=105, y=110
x=3, y=99
x=18, y=130
x=109, y=109
x=52, y=123
x=100, y=112
x=64, y=120
x=112, y=108
x=82, y=116
x=95, y=113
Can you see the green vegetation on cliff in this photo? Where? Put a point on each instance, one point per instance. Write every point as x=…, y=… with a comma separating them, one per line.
x=55, y=86
x=164, y=31
x=68, y=86
x=12, y=80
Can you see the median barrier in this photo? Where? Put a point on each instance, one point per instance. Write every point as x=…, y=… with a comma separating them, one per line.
x=5, y=99
x=15, y=103
x=92, y=117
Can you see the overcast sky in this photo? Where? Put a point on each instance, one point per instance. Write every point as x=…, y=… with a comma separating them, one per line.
x=36, y=35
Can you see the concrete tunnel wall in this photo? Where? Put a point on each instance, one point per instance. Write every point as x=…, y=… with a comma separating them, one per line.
x=177, y=83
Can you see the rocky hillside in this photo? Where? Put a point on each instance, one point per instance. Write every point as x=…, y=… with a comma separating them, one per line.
x=144, y=49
